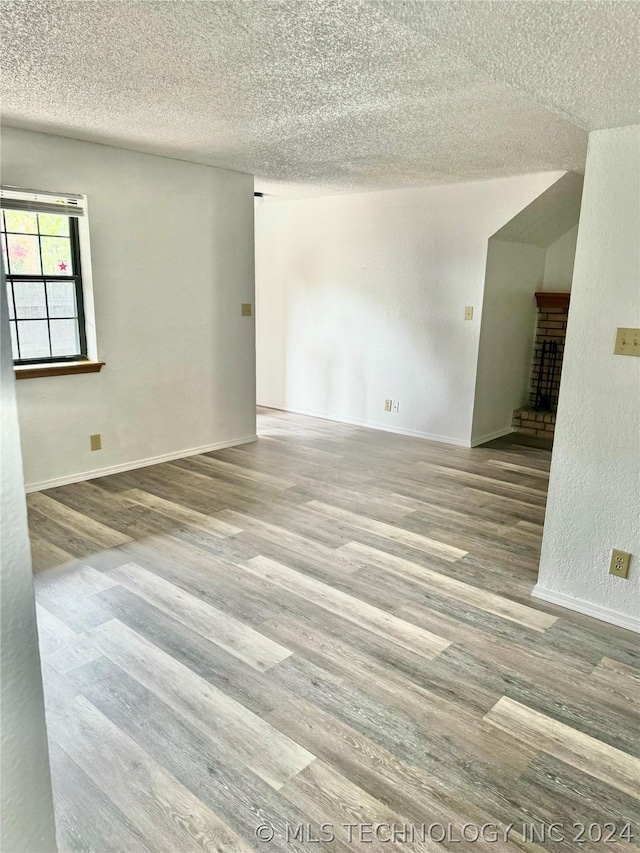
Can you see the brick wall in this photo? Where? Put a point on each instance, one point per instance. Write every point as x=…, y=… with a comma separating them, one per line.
x=538, y=424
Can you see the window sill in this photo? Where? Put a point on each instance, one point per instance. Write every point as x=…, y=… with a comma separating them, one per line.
x=60, y=368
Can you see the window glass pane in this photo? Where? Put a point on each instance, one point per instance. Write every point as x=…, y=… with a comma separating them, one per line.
x=30, y=301
x=10, y=301
x=3, y=241
x=56, y=255
x=34, y=338
x=21, y=221
x=14, y=340
x=24, y=255
x=64, y=337
x=56, y=226
x=61, y=296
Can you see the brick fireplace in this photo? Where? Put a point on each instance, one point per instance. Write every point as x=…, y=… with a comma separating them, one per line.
x=538, y=417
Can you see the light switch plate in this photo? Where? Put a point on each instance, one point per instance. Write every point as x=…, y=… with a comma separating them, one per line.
x=468, y=312
x=627, y=342
x=246, y=309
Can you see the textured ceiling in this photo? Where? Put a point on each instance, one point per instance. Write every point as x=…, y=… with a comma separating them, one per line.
x=316, y=97
x=580, y=58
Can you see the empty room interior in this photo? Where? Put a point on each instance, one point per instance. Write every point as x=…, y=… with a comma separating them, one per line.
x=320, y=460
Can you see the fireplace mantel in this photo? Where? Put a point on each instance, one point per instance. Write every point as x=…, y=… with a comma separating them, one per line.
x=545, y=299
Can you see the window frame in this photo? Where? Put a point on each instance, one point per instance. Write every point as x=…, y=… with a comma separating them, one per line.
x=76, y=278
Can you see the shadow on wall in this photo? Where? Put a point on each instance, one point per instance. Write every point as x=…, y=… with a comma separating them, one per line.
x=533, y=251
x=365, y=311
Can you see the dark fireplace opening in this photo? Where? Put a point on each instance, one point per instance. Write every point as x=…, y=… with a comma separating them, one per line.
x=546, y=375
x=538, y=417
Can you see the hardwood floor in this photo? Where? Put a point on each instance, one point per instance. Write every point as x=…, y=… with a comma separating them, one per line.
x=330, y=626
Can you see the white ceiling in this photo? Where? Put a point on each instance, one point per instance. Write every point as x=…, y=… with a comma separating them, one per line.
x=319, y=96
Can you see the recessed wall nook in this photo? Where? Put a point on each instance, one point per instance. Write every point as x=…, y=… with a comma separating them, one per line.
x=538, y=417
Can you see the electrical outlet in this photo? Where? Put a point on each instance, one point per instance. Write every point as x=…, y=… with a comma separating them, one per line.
x=627, y=342
x=388, y=405
x=619, y=565
x=246, y=309
x=468, y=312
x=96, y=441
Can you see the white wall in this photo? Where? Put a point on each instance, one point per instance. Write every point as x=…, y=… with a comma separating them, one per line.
x=172, y=259
x=25, y=798
x=595, y=473
x=558, y=267
x=514, y=273
x=361, y=298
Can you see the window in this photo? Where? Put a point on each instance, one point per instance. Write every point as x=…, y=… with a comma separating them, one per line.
x=41, y=258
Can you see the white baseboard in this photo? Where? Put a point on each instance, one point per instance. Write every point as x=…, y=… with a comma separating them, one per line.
x=483, y=439
x=443, y=439
x=604, y=614
x=138, y=463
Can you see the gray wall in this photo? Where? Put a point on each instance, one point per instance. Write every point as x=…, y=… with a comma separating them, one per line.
x=25, y=800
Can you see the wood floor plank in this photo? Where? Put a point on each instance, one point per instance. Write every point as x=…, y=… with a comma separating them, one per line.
x=102, y=535
x=69, y=542
x=390, y=531
x=504, y=650
x=275, y=760
x=78, y=580
x=573, y=709
x=521, y=469
x=76, y=652
x=328, y=797
x=184, y=515
x=619, y=682
x=110, y=509
x=238, y=639
x=46, y=555
x=208, y=660
x=598, y=759
x=527, y=616
x=354, y=610
x=375, y=503
x=580, y=637
x=404, y=787
x=438, y=717
x=168, y=815
x=527, y=494
x=240, y=472
x=75, y=797
x=52, y=632
x=587, y=799
x=357, y=708
x=213, y=579
x=154, y=527
x=215, y=775
x=306, y=547
x=68, y=595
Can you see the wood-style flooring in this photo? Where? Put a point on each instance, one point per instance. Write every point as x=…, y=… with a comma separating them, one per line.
x=330, y=626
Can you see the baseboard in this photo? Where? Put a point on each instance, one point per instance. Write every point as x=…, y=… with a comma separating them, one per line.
x=443, y=439
x=483, y=439
x=138, y=463
x=604, y=614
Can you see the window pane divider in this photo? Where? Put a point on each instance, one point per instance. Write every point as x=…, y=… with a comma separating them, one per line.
x=46, y=296
x=74, y=279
